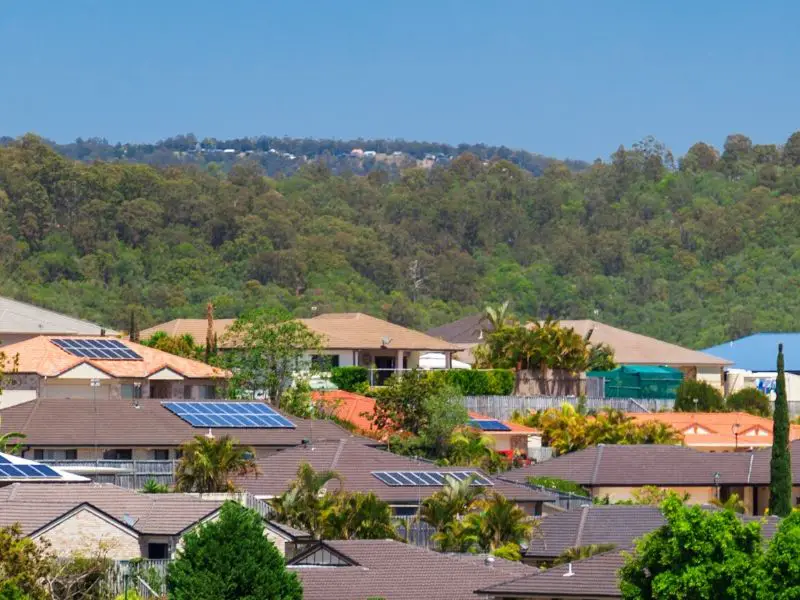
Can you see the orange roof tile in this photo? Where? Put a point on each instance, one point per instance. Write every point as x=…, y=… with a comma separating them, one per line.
x=41, y=356
x=349, y=407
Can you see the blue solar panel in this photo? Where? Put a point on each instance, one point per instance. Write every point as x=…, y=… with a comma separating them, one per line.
x=234, y=415
x=428, y=478
x=488, y=425
x=98, y=349
x=8, y=470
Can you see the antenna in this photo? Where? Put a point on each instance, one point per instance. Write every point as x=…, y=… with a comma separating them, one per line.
x=570, y=572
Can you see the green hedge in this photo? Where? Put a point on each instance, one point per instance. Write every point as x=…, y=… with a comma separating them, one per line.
x=470, y=382
x=350, y=379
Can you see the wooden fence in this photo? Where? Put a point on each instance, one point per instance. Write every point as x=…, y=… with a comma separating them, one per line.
x=502, y=407
x=131, y=474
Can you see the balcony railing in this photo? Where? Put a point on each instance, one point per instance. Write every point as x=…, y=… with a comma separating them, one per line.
x=131, y=474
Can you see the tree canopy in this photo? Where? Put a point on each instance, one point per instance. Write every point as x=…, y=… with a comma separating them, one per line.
x=681, y=254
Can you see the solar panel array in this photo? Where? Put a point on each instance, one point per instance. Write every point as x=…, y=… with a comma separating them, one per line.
x=229, y=414
x=489, y=425
x=9, y=470
x=428, y=478
x=97, y=349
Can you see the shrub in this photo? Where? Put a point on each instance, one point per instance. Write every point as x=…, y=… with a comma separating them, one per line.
x=471, y=382
x=708, y=397
x=350, y=379
x=562, y=485
x=231, y=559
x=749, y=400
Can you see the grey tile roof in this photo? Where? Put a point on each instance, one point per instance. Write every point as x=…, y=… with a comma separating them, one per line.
x=118, y=424
x=642, y=465
x=355, y=462
x=34, y=505
x=397, y=571
x=21, y=317
x=594, y=577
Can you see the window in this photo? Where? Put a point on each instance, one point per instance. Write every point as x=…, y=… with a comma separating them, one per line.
x=206, y=392
x=405, y=511
x=324, y=362
x=118, y=454
x=160, y=454
x=71, y=454
x=42, y=454
x=187, y=392
x=131, y=391
x=38, y=454
x=157, y=551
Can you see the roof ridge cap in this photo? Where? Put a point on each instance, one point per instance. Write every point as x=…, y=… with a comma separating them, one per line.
x=338, y=453
x=581, y=524
x=598, y=458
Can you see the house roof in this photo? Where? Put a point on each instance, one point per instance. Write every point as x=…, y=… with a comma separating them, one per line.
x=20, y=318
x=516, y=428
x=713, y=430
x=35, y=506
x=629, y=348
x=594, y=577
x=12, y=460
x=339, y=331
x=639, y=465
x=617, y=524
x=759, y=352
x=41, y=356
x=355, y=463
x=343, y=331
x=107, y=423
x=396, y=571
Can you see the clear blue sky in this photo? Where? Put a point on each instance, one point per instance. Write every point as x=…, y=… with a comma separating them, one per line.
x=567, y=79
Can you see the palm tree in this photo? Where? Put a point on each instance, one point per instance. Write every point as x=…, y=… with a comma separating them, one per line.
x=496, y=317
x=499, y=522
x=306, y=500
x=580, y=552
x=358, y=516
x=455, y=499
x=208, y=464
x=733, y=503
x=11, y=442
x=455, y=536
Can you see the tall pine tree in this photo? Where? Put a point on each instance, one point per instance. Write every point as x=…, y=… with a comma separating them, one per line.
x=780, y=482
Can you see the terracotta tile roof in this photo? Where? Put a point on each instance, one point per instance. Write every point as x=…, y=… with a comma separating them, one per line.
x=197, y=328
x=594, y=577
x=349, y=407
x=618, y=524
x=716, y=429
x=41, y=356
x=119, y=424
x=641, y=465
x=340, y=331
x=355, y=463
x=397, y=571
x=36, y=505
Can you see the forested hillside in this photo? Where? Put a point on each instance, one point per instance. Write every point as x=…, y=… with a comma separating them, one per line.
x=694, y=253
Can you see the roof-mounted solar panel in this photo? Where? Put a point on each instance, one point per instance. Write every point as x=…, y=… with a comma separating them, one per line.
x=428, y=478
x=106, y=349
x=489, y=425
x=233, y=415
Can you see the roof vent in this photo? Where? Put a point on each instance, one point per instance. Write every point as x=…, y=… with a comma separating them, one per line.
x=489, y=561
x=570, y=572
x=129, y=520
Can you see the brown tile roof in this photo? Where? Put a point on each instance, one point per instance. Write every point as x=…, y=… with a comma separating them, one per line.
x=340, y=331
x=355, y=463
x=641, y=465
x=197, y=328
x=35, y=505
x=397, y=571
x=594, y=577
x=119, y=424
x=41, y=356
x=465, y=331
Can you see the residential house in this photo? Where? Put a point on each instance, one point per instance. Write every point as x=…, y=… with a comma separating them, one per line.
x=391, y=570
x=593, y=524
x=15, y=469
x=21, y=321
x=508, y=437
x=102, y=367
x=718, y=432
x=149, y=429
x=348, y=339
x=753, y=363
x=80, y=517
x=400, y=481
x=629, y=348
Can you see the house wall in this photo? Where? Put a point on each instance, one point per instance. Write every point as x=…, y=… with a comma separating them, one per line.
x=85, y=531
x=91, y=453
x=697, y=495
x=763, y=498
x=712, y=376
x=109, y=389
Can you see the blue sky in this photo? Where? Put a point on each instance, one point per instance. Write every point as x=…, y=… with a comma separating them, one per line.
x=567, y=79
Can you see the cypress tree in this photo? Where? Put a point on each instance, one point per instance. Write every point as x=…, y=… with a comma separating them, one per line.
x=780, y=481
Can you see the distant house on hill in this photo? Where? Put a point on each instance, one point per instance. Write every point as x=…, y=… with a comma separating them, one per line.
x=629, y=348
x=20, y=321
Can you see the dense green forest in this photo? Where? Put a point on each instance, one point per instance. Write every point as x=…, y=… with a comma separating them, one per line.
x=695, y=252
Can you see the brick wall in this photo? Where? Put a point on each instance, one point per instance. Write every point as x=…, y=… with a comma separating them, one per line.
x=84, y=531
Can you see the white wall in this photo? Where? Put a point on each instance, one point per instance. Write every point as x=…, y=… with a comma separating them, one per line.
x=711, y=376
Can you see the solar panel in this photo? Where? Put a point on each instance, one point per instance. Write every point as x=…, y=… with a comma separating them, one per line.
x=489, y=425
x=10, y=470
x=428, y=478
x=106, y=349
x=235, y=415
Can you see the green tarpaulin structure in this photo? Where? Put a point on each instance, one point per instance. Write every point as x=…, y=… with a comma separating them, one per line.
x=640, y=381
